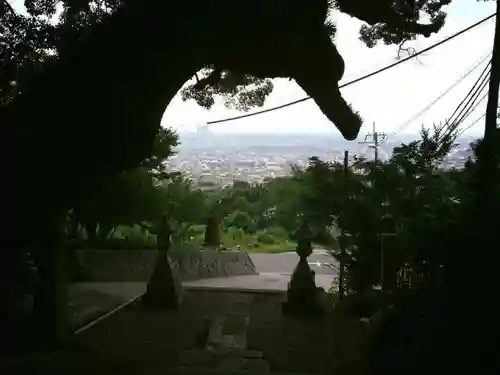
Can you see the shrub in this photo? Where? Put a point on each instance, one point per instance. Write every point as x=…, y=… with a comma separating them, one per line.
x=265, y=238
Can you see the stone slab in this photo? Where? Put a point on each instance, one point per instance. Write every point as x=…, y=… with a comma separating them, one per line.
x=245, y=353
x=216, y=332
x=138, y=265
x=197, y=358
x=233, y=363
x=89, y=301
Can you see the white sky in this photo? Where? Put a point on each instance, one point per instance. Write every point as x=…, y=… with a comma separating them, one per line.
x=389, y=98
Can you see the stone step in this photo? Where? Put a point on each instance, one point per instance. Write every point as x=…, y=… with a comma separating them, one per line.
x=256, y=365
x=198, y=358
x=228, y=332
x=191, y=371
x=216, y=330
x=206, y=358
x=243, y=353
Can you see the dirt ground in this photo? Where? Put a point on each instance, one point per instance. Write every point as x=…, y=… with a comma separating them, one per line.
x=135, y=341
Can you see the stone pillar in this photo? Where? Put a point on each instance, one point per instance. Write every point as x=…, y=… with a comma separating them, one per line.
x=163, y=288
x=303, y=296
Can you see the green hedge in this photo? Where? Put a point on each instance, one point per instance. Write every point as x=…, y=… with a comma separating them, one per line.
x=115, y=244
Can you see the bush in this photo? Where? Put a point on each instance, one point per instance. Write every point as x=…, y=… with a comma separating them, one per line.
x=272, y=235
x=265, y=238
x=277, y=232
x=117, y=244
x=362, y=305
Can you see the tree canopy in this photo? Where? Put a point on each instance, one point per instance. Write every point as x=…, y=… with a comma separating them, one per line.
x=407, y=209
x=49, y=26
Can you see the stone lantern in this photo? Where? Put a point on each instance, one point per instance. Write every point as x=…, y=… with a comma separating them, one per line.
x=163, y=289
x=303, y=296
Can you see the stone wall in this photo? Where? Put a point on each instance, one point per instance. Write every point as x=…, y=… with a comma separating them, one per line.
x=138, y=265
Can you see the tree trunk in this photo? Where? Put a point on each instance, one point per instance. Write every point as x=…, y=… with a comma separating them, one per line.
x=480, y=312
x=11, y=328
x=50, y=305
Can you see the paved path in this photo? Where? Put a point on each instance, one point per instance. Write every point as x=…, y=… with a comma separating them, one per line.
x=320, y=263
x=90, y=300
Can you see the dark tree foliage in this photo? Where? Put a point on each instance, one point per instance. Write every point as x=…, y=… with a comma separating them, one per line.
x=27, y=40
x=40, y=58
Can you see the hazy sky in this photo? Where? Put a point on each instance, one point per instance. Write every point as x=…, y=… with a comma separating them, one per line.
x=389, y=98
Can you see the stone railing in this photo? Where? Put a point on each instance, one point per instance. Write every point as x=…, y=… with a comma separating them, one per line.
x=138, y=265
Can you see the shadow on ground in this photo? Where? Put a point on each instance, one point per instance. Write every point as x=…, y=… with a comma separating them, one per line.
x=135, y=341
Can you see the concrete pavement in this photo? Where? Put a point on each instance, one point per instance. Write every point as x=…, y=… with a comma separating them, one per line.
x=321, y=263
x=93, y=299
x=89, y=301
x=263, y=282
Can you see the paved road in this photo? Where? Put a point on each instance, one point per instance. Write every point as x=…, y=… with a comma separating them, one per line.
x=285, y=263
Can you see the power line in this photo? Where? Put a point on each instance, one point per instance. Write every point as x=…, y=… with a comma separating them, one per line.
x=472, y=107
x=472, y=95
x=476, y=120
x=471, y=125
x=360, y=78
x=422, y=111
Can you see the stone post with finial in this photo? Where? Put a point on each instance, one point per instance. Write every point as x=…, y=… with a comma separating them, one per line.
x=303, y=294
x=163, y=290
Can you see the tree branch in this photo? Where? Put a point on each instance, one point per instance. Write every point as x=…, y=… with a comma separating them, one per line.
x=387, y=15
x=6, y=5
x=211, y=80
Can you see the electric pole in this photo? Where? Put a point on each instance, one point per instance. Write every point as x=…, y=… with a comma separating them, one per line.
x=374, y=139
x=343, y=243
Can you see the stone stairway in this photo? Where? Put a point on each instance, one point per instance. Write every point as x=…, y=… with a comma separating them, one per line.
x=225, y=350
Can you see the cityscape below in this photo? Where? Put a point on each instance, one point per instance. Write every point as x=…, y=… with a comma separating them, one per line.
x=215, y=160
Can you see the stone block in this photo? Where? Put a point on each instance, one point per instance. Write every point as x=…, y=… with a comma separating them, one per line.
x=244, y=364
x=216, y=330
x=197, y=358
x=227, y=341
x=138, y=265
x=244, y=353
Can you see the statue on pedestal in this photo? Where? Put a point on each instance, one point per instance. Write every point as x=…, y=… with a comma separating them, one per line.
x=302, y=294
x=163, y=290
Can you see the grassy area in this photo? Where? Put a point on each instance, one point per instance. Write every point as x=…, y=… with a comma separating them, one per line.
x=135, y=238
x=274, y=248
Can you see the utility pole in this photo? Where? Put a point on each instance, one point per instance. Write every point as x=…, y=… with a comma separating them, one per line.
x=374, y=139
x=343, y=243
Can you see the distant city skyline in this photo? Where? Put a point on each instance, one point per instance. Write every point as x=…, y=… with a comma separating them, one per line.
x=205, y=130
x=217, y=160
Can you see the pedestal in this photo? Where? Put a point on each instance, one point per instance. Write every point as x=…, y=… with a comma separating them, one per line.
x=303, y=298
x=162, y=291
